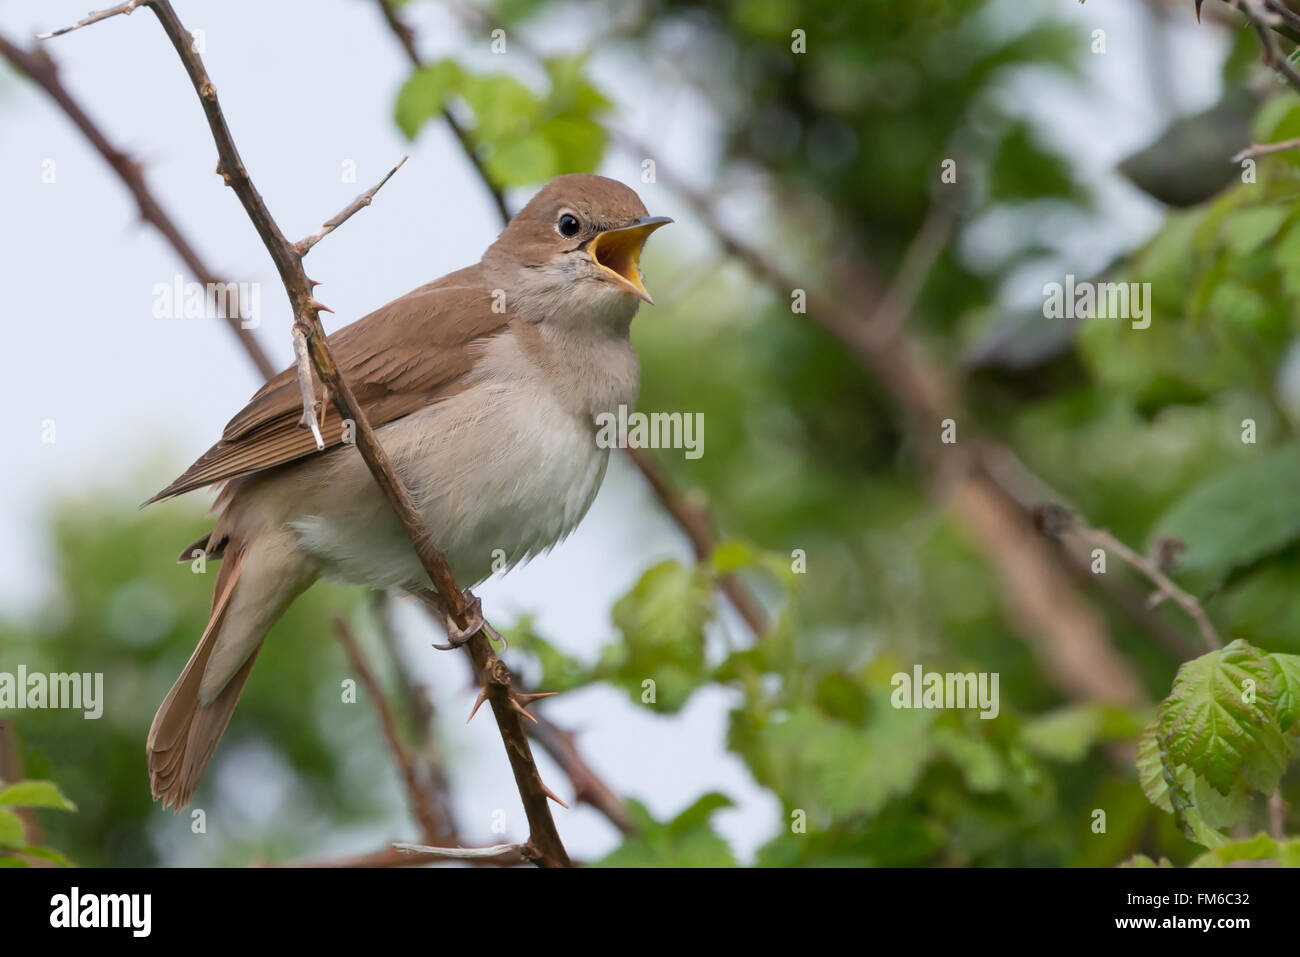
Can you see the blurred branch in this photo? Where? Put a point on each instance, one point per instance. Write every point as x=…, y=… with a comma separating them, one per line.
x=1104, y=539
x=1265, y=149
x=406, y=37
x=1265, y=18
x=544, y=845
x=11, y=770
x=42, y=70
x=433, y=815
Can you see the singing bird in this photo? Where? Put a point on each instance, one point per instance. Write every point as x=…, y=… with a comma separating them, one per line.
x=483, y=387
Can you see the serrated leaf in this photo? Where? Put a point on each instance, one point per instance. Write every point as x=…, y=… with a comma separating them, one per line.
x=1151, y=769
x=1286, y=680
x=35, y=794
x=1209, y=723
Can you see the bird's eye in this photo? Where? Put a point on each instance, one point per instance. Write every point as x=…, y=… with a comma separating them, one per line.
x=568, y=225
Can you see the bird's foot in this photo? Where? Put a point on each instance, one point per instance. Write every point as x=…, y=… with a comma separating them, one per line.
x=474, y=623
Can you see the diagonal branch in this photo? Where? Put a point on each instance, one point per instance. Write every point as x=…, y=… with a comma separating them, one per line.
x=544, y=845
x=41, y=69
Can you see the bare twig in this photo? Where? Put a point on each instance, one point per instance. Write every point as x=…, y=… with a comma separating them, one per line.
x=459, y=853
x=41, y=69
x=1104, y=539
x=1265, y=149
x=390, y=856
x=544, y=843
x=122, y=8
x=334, y=222
x=307, y=386
x=1264, y=20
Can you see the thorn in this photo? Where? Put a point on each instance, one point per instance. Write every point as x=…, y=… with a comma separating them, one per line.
x=482, y=696
x=320, y=306
x=520, y=708
x=315, y=283
x=552, y=795
x=529, y=698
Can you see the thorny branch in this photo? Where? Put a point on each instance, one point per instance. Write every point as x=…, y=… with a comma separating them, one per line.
x=544, y=846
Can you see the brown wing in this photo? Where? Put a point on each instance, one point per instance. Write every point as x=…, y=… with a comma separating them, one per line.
x=398, y=359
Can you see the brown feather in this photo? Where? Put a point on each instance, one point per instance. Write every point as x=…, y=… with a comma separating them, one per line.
x=398, y=360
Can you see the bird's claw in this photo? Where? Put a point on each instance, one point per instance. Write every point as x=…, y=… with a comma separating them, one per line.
x=474, y=623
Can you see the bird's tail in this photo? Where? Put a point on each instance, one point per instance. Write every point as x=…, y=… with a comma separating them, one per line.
x=253, y=588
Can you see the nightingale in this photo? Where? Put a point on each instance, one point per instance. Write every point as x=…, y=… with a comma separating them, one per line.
x=483, y=387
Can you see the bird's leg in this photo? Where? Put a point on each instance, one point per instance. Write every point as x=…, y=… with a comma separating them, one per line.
x=457, y=636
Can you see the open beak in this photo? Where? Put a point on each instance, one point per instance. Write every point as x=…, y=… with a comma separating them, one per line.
x=618, y=252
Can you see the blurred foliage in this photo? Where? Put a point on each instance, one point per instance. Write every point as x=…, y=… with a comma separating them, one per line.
x=812, y=478
x=123, y=607
x=15, y=850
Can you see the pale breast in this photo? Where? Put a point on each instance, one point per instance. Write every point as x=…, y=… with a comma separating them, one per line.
x=500, y=472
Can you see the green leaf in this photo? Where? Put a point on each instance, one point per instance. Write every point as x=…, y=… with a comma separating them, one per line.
x=12, y=832
x=425, y=94
x=1246, y=230
x=46, y=854
x=1151, y=769
x=523, y=160
x=662, y=622
x=1286, y=679
x=1239, y=515
x=1257, y=848
x=503, y=107
x=687, y=841
x=830, y=767
x=35, y=794
x=1065, y=735
x=1209, y=723
x=699, y=813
